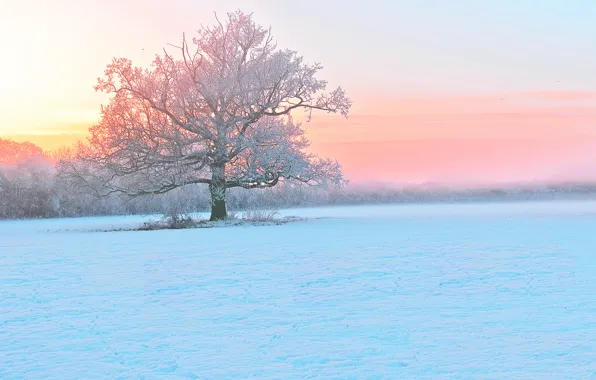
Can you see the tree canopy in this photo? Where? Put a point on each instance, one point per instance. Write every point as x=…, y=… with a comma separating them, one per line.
x=218, y=112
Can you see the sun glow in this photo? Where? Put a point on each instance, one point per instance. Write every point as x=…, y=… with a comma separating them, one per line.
x=54, y=51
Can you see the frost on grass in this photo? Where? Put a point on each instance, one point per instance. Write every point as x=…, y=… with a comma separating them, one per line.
x=184, y=221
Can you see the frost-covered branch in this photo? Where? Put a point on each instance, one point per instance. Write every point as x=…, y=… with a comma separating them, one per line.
x=217, y=112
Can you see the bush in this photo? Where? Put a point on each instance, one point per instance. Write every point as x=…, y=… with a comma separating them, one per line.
x=260, y=215
x=172, y=222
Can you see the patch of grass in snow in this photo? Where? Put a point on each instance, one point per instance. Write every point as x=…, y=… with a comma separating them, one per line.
x=260, y=215
x=248, y=218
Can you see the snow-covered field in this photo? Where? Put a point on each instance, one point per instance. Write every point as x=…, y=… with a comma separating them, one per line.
x=504, y=290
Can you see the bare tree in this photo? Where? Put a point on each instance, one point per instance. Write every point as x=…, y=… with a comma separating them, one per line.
x=218, y=114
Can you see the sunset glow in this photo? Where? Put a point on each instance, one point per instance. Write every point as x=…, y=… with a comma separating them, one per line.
x=462, y=99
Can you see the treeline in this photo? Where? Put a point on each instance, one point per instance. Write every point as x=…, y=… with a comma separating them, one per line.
x=30, y=188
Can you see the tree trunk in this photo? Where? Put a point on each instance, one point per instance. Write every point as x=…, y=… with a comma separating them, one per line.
x=218, y=192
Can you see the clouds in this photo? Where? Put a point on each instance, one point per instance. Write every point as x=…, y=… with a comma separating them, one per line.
x=509, y=137
x=466, y=162
x=453, y=139
x=561, y=95
x=552, y=114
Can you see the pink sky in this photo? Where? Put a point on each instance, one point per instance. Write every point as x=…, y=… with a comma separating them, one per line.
x=474, y=99
x=538, y=136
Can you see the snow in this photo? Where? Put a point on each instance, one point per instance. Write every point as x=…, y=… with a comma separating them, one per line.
x=483, y=291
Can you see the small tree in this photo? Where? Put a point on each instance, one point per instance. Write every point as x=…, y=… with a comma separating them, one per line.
x=218, y=114
x=12, y=152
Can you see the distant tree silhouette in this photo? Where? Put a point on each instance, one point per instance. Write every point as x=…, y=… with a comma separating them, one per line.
x=26, y=181
x=12, y=152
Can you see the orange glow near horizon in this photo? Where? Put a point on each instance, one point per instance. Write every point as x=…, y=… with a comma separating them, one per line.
x=500, y=138
x=399, y=128
x=415, y=118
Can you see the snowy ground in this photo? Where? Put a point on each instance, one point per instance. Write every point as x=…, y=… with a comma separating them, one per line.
x=427, y=292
